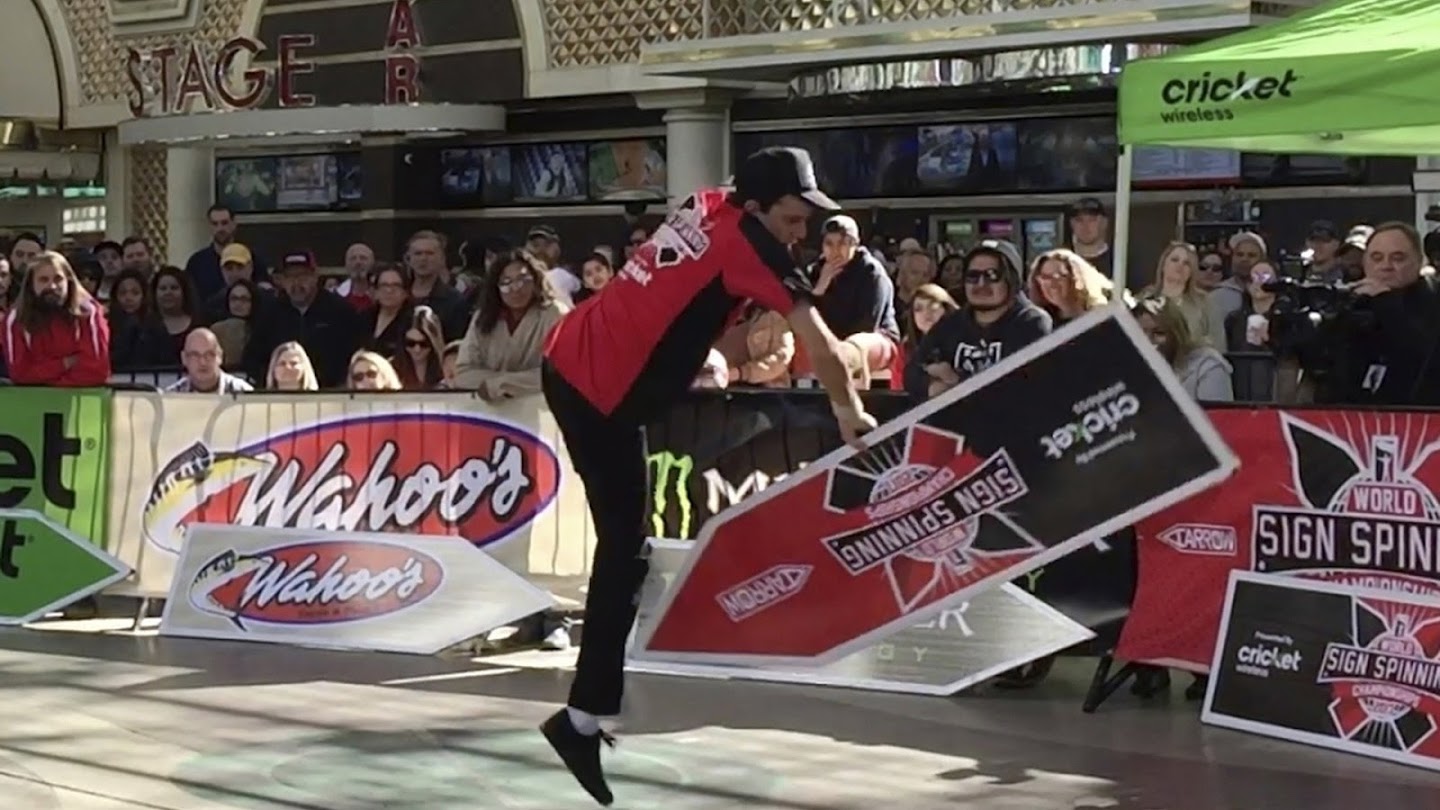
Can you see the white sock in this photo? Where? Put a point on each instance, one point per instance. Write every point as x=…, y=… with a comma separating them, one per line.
x=584, y=722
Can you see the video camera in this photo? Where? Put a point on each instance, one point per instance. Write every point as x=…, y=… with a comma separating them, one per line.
x=1309, y=318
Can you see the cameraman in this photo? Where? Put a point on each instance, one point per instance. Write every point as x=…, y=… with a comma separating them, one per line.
x=1389, y=357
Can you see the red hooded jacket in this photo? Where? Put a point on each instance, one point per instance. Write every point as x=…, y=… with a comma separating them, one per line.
x=39, y=358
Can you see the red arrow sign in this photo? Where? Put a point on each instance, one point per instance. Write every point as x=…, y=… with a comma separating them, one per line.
x=1062, y=448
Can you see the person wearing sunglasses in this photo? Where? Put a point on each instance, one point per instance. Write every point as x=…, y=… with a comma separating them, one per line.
x=502, y=350
x=1212, y=271
x=994, y=321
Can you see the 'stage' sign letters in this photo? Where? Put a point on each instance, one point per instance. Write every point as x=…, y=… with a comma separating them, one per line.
x=172, y=79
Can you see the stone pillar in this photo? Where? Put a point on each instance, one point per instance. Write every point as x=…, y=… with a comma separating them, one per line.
x=117, y=188
x=189, y=192
x=697, y=138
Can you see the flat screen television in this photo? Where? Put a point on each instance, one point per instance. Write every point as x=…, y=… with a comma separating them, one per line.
x=1068, y=154
x=246, y=184
x=627, y=170
x=966, y=157
x=550, y=172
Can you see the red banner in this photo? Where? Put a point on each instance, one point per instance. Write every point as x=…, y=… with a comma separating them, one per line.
x=1347, y=496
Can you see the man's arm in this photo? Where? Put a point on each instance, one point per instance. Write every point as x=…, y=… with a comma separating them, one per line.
x=823, y=349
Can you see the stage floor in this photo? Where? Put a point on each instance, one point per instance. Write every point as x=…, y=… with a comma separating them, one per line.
x=113, y=721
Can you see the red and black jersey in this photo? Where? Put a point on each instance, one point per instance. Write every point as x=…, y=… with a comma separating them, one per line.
x=632, y=349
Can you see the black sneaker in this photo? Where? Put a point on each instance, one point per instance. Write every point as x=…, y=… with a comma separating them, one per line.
x=580, y=753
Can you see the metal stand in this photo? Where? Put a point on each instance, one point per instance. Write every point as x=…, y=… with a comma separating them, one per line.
x=1149, y=682
x=140, y=615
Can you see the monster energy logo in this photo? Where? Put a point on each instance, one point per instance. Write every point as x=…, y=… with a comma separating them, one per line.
x=668, y=470
x=670, y=478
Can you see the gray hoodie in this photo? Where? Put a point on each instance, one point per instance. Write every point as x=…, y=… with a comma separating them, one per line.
x=1205, y=373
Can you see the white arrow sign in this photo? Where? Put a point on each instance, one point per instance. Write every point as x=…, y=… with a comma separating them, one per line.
x=387, y=592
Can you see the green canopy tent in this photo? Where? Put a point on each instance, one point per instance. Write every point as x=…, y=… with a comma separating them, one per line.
x=1358, y=77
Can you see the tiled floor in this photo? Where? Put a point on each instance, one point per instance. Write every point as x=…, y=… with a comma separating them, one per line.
x=97, y=721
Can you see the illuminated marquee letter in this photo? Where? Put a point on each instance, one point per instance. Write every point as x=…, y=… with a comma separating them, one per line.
x=255, y=80
x=401, y=31
x=290, y=67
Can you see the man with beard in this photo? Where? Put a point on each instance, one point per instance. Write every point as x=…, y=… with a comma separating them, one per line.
x=1247, y=249
x=994, y=322
x=56, y=334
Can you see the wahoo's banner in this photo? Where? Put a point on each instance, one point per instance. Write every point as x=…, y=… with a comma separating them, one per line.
x=1345, y=496
x=1326, y=664
x=1057, y=446
x=449, y=464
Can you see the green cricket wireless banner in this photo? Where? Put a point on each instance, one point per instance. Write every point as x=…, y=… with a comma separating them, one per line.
x=54, y=456
x=1354, y=77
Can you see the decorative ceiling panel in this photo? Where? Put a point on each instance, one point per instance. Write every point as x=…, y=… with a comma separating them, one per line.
x=603, y=32
x=101, y=31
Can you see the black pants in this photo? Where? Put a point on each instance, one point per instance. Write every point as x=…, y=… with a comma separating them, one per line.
x=609, y=457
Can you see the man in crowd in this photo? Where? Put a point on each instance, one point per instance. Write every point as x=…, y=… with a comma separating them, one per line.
x=623, y=358
x=355, y=289
x=1351, y=256
x=25, y=247
x=1090, y=237
x=1323, y=241
x=109, y=255
x=856, y=298
x=136, y=255
x=203, y=358
x=425, y=255
x=316, y=318
x=236, y=264
x=1388, y=349
x=204, y=266
x=56, y=334
x=1247, y=249
x=994, y=322
x=544, y=241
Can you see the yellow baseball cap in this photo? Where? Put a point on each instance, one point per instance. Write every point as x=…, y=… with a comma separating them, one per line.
x=235, y=253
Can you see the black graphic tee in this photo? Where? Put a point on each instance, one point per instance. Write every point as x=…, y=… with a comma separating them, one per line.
x=970, y=347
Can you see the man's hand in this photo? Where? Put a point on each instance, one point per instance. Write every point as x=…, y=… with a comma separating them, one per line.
x=943, y=372
x=854, y=423
x=1369, y=287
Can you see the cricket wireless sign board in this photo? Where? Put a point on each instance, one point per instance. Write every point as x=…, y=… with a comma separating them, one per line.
x=1065, y=442
x=1331, y=665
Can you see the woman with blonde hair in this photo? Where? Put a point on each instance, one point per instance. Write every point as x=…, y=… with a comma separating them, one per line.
x=290, y=369
x=1065, y=285
x=1177, y=281
x=371, y=372
x=1202, y=369
x=928, y=305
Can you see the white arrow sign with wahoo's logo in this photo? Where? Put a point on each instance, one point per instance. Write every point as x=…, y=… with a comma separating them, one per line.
x=385, y=592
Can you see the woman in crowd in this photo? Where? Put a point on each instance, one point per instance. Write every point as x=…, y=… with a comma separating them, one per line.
x=383, y=326
x=913, y=270
x=291, y=369
x=371, y=372
x=1175, y=281
x=90, y=274
x=1247, y=331
x=930, y=303
x=419, y=367
x=594, y=275
x=175, y=303
x=233, y=331
x=769, y=350
x=1202, y=369
x=1066, y=286
x=952, y=275
x=501, y=354
x=137, y=338
x=6, y=277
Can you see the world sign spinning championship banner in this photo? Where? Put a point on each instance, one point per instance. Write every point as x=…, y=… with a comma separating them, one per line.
x=1325, y=664
x=1346, y=496
x=1057, y=446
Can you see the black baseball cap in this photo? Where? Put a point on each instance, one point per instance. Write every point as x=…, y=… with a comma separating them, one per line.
x=776, y=171
x=107, y=245
x=1324, y=229
x=1087, y=205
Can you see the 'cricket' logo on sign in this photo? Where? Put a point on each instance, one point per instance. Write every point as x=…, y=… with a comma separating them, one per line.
x=925, y=495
